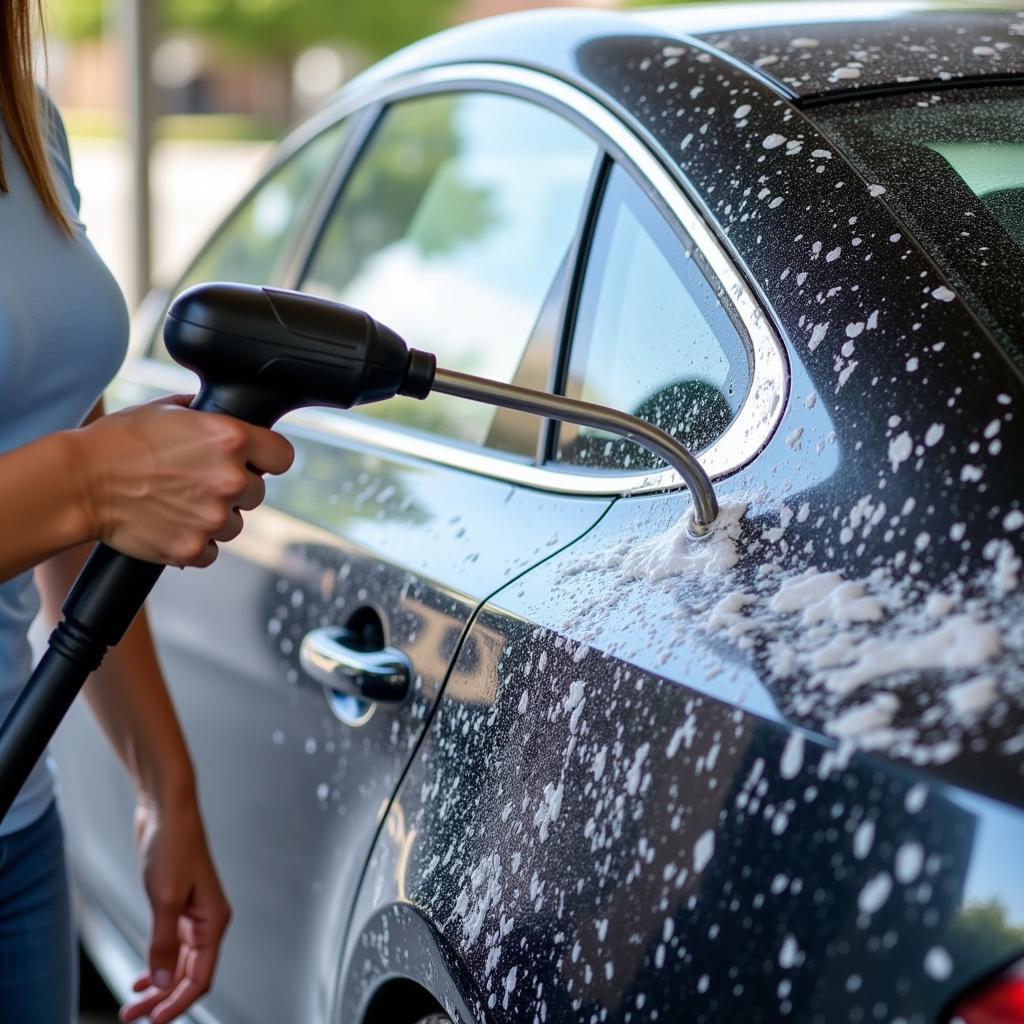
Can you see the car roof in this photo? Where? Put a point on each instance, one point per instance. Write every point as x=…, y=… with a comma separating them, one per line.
x=802, y=50
x=826, y=49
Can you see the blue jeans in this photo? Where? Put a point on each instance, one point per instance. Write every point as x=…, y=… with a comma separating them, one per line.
x=38, y=961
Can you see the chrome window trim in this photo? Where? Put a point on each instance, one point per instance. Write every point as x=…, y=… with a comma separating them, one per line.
x=763, y=407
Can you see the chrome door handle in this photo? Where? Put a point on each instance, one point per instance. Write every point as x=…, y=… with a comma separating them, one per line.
x=331, y=657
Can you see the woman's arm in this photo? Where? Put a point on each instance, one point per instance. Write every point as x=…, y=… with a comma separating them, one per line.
x=42, y=504
x=158, y=481
x=130, y=699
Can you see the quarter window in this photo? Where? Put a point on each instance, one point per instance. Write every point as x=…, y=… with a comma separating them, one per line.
x=451, y=229
x=651, y=338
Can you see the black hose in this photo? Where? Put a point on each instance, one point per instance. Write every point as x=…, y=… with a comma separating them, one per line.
x=101, y=606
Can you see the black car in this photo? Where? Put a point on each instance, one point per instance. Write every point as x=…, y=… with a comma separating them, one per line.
x=773, y=774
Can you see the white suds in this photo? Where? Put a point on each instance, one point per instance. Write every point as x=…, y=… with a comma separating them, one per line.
x=826, y=595
x=900, y=448
x=974, y=696
x=938, y=964
x=865, y=718
x=909, y=861
x=958, y=643
x=703, y=851
x=792, y=756
x=874, y=894
x=863, y=839
x=675, y=552
x=1013, y=520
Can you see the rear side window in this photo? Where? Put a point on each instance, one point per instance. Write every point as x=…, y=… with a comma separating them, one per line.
x=651, y=338
x=451, y=229
x=953, y=169
x=255, y=242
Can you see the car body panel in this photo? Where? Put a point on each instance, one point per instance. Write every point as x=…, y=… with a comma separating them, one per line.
x=854, y=47
x=636, y=850
x=934, y=48
x=867, y=316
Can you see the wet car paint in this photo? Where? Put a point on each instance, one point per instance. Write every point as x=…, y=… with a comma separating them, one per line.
x=633, y=848
x=890, y=50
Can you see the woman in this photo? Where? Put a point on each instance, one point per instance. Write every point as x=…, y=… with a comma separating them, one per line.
x=158, y=482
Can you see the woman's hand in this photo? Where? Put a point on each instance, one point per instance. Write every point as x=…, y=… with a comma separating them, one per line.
x=165, y=484
x=190, y=911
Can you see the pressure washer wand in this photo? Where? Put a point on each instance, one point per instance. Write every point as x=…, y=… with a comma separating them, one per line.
x=261, y=353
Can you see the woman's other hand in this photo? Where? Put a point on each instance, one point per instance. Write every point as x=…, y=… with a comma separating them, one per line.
x=165, y=484
x=190, y=911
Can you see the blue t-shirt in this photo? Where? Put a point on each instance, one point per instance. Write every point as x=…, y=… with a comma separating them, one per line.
x=63, y=335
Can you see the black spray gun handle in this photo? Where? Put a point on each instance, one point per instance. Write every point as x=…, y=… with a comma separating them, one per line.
x=259, y=353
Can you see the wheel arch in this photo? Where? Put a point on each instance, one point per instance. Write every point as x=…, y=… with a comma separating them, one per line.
x=399, y=969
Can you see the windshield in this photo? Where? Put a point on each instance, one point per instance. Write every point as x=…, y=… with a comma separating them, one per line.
x=952, y=164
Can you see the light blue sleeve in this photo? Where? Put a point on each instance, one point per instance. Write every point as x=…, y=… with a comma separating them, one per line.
x=57, y=147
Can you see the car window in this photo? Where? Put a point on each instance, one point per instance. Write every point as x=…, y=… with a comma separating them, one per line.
x=255, y=241
x=651, y=337
x=451, y=229
x=953, y=170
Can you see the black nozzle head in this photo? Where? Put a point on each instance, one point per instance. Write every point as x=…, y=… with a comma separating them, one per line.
x=419, y=374
x=262, y=352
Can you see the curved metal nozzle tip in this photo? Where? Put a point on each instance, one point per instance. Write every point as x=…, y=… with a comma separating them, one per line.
x=697, y=530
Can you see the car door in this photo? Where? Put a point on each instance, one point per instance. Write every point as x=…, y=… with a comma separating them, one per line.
x=456, y=220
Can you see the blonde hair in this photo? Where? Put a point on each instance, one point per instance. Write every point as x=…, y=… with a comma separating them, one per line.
x=21, y=105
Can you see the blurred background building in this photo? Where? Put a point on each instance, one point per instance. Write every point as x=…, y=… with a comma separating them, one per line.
x=225, y=78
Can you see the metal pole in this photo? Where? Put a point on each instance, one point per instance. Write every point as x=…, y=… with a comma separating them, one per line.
x=139, y=27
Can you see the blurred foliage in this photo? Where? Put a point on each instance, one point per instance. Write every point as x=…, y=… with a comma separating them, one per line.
x=250, y=247
x=416, y=142
x=983, y=932
x=77, y=19
x=274, y=27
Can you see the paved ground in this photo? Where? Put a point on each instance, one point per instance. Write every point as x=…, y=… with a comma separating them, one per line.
x=194, y=184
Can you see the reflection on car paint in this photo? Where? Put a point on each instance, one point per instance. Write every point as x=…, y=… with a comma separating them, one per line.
x=783, y=878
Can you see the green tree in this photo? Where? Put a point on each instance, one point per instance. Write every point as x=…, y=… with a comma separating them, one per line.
x=288, y=26
x=983, y=932
x=77, y=19
x=276, y=28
